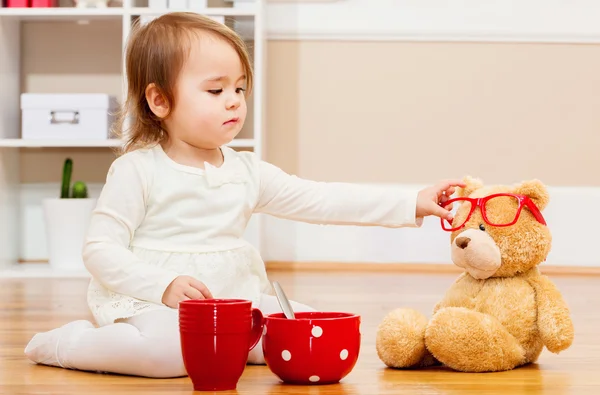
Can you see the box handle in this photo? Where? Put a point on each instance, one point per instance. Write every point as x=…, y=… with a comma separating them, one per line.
x=74, y=119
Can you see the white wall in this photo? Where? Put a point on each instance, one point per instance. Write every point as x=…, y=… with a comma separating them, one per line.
x=438, y=20
x=571, y=215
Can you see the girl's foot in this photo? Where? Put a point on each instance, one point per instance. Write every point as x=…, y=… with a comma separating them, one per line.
x=43, y=347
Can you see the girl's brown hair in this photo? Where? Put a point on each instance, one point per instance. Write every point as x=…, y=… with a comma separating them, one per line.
x=155, y=54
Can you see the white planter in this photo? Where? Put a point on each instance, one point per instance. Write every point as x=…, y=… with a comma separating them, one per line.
x=66, y=223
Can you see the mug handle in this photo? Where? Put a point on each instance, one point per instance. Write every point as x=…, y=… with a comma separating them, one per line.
x=257, y=327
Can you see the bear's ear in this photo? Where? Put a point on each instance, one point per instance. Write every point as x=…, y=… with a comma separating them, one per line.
x=472, y=184
x=536, y=191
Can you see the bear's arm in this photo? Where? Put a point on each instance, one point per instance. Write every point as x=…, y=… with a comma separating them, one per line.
x=554, y=321
x=456, y=295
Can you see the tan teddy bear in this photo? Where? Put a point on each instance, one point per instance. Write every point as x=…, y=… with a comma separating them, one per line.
x=501, y=311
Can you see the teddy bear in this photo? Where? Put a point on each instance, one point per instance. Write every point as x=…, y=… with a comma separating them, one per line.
x=501, y=311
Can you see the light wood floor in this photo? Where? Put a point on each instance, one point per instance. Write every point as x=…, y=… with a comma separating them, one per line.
x=31, y=305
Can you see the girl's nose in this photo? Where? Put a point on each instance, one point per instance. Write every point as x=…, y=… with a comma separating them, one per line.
x=233, y=103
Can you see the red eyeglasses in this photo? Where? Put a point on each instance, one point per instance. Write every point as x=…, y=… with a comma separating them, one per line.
x=512, y=206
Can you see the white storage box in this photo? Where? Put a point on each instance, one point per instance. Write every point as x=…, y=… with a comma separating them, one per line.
x=67, y=116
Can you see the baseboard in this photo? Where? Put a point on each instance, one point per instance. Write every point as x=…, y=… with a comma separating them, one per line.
x=42, y=269
x=424, y=268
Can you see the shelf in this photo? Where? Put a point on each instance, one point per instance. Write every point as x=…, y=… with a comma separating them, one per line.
x=59, y=143
x=73, y=13
x=61, y=13
x=19, y=143
x=211, y=11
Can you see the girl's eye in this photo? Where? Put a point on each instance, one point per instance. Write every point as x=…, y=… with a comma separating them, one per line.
x=217, y=91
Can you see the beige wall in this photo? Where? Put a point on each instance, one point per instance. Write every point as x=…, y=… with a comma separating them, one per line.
x=377, y=111
x=415, y=112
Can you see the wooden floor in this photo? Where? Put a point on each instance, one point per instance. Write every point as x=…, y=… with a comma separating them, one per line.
x=31, y=305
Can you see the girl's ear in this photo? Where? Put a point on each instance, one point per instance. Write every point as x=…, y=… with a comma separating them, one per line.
x=472, y=184
x=156, y=101
x=536, y=191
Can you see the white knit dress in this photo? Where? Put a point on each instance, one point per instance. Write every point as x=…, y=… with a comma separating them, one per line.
x=157, y=219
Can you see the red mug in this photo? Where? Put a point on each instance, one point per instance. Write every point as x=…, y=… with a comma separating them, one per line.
x=216, y=338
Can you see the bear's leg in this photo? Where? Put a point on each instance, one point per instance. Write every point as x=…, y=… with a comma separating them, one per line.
x=468, y=341
x=400, y=340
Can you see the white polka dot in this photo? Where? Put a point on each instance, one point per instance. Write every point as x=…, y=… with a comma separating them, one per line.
x=317, y=331
x=286, y=355
x=344, y=354
x=314, y=379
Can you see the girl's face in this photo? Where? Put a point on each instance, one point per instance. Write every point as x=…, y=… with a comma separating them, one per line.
x=210, y=107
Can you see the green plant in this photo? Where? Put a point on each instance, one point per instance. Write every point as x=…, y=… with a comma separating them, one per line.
x=79, y=190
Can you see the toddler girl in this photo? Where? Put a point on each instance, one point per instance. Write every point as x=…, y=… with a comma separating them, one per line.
x=169, y=221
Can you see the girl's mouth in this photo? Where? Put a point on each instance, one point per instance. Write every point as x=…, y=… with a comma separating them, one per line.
x=231, y=121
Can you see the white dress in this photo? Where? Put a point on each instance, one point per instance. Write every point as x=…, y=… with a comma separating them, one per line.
x=157, y=219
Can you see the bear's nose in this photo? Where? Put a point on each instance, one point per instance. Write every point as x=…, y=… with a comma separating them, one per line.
x=462, y=242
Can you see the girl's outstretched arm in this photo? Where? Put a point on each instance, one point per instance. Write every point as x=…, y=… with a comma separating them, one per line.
x=334, y=203
x=120, y=210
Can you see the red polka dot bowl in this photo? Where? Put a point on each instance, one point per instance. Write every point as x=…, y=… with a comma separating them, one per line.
x=314, y=348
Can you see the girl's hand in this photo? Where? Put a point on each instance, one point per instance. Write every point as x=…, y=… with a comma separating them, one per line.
x=429, y=199
x=184, y=288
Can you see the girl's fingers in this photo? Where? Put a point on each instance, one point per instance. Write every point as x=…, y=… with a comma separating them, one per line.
x=193, y=293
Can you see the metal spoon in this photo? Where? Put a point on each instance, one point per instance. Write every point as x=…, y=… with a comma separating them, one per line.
x=283, y=301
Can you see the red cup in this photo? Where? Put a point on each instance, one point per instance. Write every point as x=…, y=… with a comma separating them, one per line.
x=216, y=337
x=314, y=348
x=43, y=3
x=17, y=3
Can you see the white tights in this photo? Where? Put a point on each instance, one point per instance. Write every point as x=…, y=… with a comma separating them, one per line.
x=145, y=345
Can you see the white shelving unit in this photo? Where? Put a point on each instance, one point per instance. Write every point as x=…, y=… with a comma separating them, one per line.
x=20, y=230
